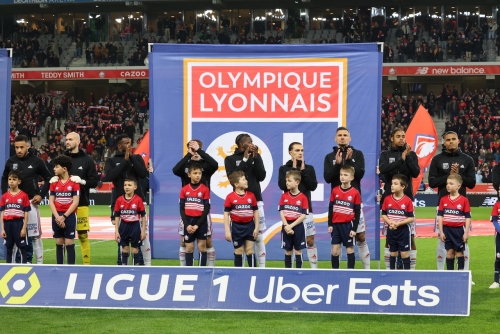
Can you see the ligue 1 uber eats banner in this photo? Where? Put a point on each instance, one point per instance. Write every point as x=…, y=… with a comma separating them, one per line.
x=233, y=289
x=278, y=95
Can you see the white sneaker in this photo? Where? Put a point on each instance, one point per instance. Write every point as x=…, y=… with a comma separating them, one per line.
x=472, y=283
x=495, y=285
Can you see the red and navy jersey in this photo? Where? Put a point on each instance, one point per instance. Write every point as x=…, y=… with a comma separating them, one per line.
x=397, y=210
x=194, y=200
x=241, y=207
x=14, y=206
x=293, y=206
x=454, y=211
x=344, y=202
x=63, y=193
x=129, y=210
x=495, y=212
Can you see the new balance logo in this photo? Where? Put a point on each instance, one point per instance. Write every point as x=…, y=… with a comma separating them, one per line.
x=422, y=70
x=30, y=166
x=489, y=201
x=80, y=167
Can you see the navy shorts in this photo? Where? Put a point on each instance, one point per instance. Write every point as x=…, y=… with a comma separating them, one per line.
x=454, y=238
x=13, y=230
x=340, y=234
x=297, y=240
x=242, y=232
x=497, y=245
x=68, y=232
x=201, y=232
x=399, y=240
x=130, y=233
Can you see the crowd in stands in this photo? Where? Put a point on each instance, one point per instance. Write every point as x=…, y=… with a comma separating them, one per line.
x=46, y=118
x=473, y=115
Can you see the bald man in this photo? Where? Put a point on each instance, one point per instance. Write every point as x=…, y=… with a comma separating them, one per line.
x=83, y=172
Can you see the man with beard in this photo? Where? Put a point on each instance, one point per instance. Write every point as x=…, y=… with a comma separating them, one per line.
x=346, y=155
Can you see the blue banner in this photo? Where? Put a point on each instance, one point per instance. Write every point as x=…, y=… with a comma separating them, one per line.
x=5, y=72
x=278, y=95
x=237, y=289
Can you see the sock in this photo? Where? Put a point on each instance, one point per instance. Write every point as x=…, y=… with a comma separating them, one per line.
x=203, y=259
x=9, y=255
x=440, y=254
x=38, y=250
x=238, y=260
x=124, y=261
x=298, y=260
x=70, y=254
x=251, y=260
x=60, y=254
x=141, y=259
x=413, y=259
x=211, y=257
x=189, y=259
x=14, y=254
x=497, y=270
x=351, y=261
x=288, y=261
x=364, y=254
x=466, y=256
x=119, y=260
x=392, y=260
x=182, y=256
x=387, y=258
x=406, y=263
x=335, y=262
x=24, y=257
x=146, y=251
x=450, y=264
x=260, y=248
x=312, y=254
x=84, y=245
x=460, y=260
x=136, y=259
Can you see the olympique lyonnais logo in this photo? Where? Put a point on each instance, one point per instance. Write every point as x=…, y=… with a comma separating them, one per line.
x=424, y=145
x=256, y=88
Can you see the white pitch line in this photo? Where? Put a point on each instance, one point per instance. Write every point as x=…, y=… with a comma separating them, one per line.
x=92, y=243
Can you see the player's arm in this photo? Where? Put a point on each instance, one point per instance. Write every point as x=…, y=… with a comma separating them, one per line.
x=139, y=166
x=44, y=172
x=112, y=172
x=309, y=178
x=227, y=229
x=298, y=221
x=330, y=217
x=359, y=165
x=25, y=224
x=495, y=174
x=4, y=235
x=143, y=225
x=330, y=170
x=5, y=176
x=467, y=228
x=259, y=169
x=256, y=221
x=117, y=225
x=74, y=205
x=91, y=176
x=436, y=181
x=494, y=220
x=53, y=206
x=469, y=174
x=182, y=210
x=412, y=164
x=355, y=222
x=206, y=210
x=282, y=178
x=179, y=168
x=440, y=223
x=212, y=163
x=406, y=221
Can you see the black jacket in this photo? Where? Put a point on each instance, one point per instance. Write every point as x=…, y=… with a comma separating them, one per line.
x=440, y=169
x=331, y=172
x=253, y=168
x=390, y=164
x=208, y=164
x=117, y=168
x=31, y=167
x=307, y=183
x=84, y=167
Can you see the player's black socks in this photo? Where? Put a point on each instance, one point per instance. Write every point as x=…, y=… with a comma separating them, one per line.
x=461, y=262
x=392, y=262
x=298, y=261
x=351, y=261
x=189, y=259
x=140, y=259
x=335, y=262
x=251, y=260
x=119, y=260
x=497, y=271
x=70, y=254
x=24, y=257
x=203, y=259
x=450, y=264
x=288, y=261
x=10, y=251
x=137, y=259
x=406, y=263
x=124, y=261
x=60, y=254
x=238, y=260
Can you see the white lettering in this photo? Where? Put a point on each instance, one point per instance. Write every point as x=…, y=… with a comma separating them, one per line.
x=323, y=80
x=110, y=287
x=162, y=290
x=270, y=291
x=299, y=103
x=329, y=292
x=326, y=104
x=393, y=290
x=243, y=106
x=223, y=281
x=234, y=79
x=96, y=287
x=407, y=289
x=180, y=287
x=306, y=293
x=353, y=291
x=220, y=84
x=422, y=292
x=70, y=290
x=279, y=289
x=202, y=104
x=203, y=84
x=219, y=101
x=297, y=81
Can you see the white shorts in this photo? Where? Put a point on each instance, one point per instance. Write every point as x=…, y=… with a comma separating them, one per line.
x=362, y=222
x=262, y=217
x=309, y=225
x=209, y=229
x=34, y=227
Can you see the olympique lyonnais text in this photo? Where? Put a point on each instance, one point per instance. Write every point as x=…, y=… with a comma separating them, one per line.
x=265, y=91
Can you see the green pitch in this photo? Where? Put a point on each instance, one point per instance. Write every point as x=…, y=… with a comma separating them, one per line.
x=484, y=317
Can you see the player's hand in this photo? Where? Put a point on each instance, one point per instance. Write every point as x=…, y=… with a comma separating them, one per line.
x=287, y=229
x=194, y=145
x=454, y=168
x=117, y=237
x=255, y=150
x=256, y=234
x=352, y=234
x=349, y=154
x=77, y=179
x=127, y=154
x=294, y=163
x=54, y=179
x=23, y=233
x=143, y=235
x=4, y=235
x=377, y=170
x=330, y=229
x=303, y=166
x=338, y=157
x=379, y=198
x=465, y=237
x=443, y=237
x=36, y=199
x=246, y=155
x=150, y=170
x=227, y=235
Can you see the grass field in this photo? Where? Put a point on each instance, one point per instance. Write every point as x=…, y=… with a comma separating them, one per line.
x=485, y=307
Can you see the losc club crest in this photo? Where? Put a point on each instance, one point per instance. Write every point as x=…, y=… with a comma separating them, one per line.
x=424, y=145
x=15, y=166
